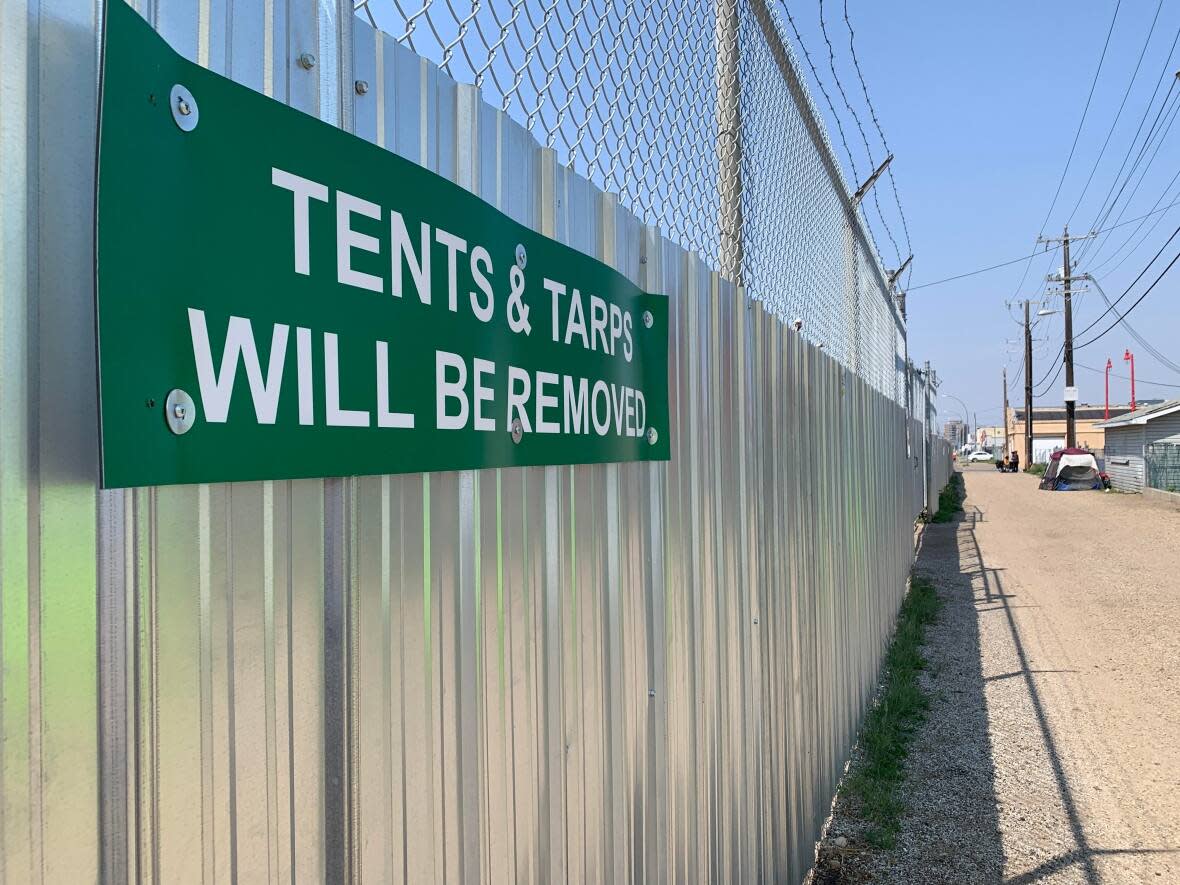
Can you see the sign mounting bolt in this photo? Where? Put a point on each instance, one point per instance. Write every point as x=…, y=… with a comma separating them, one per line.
x=517, y=430
x=179, y=411
x=522, y=257
x=362, y=87
x=184, y=108
x=652, y=436
x=306, y=61
x=648, y=319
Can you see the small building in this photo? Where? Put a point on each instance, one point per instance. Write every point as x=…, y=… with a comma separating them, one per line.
x=1049, y=428
x=1143, y=448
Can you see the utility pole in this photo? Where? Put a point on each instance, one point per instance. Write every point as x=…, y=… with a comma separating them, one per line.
x=1071, y=439
x=1067, y=292
x=1028, y=390
x=1005, y=411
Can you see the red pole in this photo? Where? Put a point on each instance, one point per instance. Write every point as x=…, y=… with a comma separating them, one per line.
x=1127, y=355
x=1109, y=366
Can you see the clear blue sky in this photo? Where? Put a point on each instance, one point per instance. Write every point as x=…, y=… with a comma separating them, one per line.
x=980, y=103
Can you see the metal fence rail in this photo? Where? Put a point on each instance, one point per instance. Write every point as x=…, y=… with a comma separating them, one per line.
x=639, y=672
x=1163, y=466
x=695, y=115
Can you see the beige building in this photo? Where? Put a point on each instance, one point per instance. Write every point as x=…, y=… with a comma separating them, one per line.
x=1049, y=428
x=989, y=437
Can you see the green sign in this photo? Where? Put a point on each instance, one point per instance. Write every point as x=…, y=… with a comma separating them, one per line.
x=277, y=299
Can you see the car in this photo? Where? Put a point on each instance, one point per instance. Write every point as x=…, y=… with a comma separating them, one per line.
x=980, y=455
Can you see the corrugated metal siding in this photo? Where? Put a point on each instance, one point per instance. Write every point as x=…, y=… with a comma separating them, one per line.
x=609, y=673
x=1163, y=429
x=1124, y=458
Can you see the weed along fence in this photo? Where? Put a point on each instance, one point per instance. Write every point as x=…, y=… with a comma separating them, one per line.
x=440, y=517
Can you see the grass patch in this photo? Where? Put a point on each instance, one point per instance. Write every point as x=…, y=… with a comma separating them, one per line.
x=950, y=499
x=890, y=725
x=1036, y=469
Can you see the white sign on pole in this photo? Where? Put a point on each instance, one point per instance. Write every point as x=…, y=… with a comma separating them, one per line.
x=1071, y=394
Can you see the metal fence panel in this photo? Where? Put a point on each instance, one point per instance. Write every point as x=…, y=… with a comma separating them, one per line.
x=1162, y=461
x=597, y=673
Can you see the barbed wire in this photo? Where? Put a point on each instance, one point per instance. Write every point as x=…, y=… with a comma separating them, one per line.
x=646, y=100
x=881, y=132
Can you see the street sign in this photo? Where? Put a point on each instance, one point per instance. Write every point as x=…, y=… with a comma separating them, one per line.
x=1071, y=394
x=277, y=298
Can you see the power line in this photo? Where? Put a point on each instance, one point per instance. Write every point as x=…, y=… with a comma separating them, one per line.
x=1133, y=306
x=1138, y=277
x=1146, y=268
x=1143, y=174
x=1138, y=380
x=1100, y=217
x=1033, y=255
x=1147, y=346
x=1119, y=113
x=972, y=273
x=1142, y=220
x=1082, y=121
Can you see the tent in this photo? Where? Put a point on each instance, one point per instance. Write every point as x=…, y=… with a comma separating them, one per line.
x=1071, y=470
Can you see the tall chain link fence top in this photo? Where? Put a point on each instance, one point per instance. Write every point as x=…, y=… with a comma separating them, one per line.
x=694, y=114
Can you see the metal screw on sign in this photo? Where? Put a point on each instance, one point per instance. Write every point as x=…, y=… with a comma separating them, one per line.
x=184, y=108
x=517, y=431
x=361, y=86
x=652, y=436
x=522, y=257
x=651, y=692
x=179, y=411
x=307, y=61
x=648, y=319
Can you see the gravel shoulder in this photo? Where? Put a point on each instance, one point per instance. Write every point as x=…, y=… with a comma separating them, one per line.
x=1052, y=748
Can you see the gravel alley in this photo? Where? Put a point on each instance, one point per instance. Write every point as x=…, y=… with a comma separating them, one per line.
x=1052, y=749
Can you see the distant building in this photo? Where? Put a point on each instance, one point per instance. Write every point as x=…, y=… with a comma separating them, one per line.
x=989, y=437
x=1143, y=447
x=954, y=431
x=1049, y=428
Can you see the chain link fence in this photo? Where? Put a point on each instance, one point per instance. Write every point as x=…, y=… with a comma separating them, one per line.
x=696, y=116
x=1163, y=466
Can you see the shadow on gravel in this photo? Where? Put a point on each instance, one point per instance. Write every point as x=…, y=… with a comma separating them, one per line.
x=989, y=595
x=993, y=591
x=950, y=831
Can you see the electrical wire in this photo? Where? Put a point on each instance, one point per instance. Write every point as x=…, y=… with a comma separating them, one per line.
x=1137, y=302
x=1143, y=342
x=1082, y=121
x=1140, y=275
x=1124, y=377
x=1096, y=250
x=1119, y=113
x=1142, y=221
x=1029, y=257
x=1100, y=217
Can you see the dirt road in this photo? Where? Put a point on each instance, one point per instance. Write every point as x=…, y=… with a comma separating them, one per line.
x=1052, y=751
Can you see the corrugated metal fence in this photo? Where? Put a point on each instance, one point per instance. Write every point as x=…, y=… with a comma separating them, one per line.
x=609, y=673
